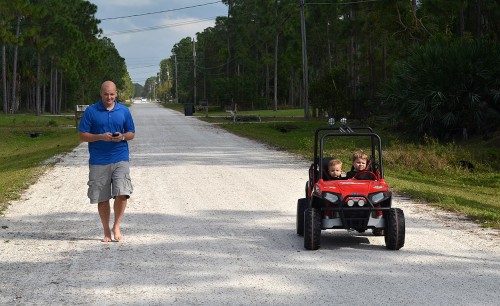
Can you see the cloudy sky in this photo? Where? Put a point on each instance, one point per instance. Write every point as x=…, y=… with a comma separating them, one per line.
x=143, y=49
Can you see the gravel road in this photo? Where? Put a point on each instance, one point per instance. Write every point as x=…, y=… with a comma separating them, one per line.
x=212, y=222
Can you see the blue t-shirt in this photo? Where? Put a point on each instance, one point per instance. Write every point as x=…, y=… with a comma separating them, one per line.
x=97, y=120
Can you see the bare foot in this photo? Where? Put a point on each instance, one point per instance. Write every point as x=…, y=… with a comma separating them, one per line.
x=106, y=239
x=117, y=234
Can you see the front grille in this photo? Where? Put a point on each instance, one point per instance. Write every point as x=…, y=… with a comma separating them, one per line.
x=355, y=218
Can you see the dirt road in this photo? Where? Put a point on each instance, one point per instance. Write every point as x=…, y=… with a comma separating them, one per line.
x=212, y=222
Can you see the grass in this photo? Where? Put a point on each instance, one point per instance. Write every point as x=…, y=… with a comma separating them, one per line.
x=22, y=157
x=429, y=172
x=214, y=112
x=475, y=197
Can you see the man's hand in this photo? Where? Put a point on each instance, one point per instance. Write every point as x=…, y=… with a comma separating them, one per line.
x=115, y=137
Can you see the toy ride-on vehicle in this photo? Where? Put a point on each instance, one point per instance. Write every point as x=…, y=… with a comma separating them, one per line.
x=359, y=203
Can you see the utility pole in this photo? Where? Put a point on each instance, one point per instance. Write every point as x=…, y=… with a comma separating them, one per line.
x=276, y=42
x=176, y=81
x=159, y=82
x=194, y=70
x=304, y=60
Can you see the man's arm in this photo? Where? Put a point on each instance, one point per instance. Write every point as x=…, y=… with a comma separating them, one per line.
x=128, y=136
x=88, y=137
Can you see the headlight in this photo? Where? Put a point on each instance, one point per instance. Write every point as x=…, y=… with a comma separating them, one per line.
x=377, y=197
x=331, y=197
x=317, y=190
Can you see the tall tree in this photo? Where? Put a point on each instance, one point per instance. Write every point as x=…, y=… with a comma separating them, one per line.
x=7, y=37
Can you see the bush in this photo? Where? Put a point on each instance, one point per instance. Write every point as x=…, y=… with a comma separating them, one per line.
x=444, y=87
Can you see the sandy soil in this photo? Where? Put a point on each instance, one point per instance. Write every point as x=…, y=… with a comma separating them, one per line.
x=212, y=222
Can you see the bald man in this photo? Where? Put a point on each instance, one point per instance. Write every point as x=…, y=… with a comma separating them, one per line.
x=107, y=126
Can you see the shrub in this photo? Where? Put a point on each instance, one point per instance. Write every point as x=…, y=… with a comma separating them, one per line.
x=446, y=86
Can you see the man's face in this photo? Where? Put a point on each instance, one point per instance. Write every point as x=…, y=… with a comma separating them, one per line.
x=108, y=95
x=359, y=164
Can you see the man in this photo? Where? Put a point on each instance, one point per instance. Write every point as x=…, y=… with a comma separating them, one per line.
x=107, y=126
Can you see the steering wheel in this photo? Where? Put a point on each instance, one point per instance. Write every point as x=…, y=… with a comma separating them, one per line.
x=362, y=173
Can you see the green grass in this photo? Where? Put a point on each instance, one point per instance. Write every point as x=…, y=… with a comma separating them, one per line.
x=262, y=113
x=428, y=172
x=22, y=156
x=216, y=111
x=465, y=193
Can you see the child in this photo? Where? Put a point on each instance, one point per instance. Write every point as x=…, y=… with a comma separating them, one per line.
x=335, y=169
x=359, y=160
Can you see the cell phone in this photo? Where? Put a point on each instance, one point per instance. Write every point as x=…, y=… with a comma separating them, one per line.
x=116, y=134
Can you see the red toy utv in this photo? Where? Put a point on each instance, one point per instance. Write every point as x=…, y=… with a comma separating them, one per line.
x=359, y=203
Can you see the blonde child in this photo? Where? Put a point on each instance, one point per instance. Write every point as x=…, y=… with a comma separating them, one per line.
x=359, y=160
x=335, y=169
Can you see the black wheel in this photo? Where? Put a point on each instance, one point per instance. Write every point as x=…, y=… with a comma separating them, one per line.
x=395, y=229
x=312, y=229
x=301, y=207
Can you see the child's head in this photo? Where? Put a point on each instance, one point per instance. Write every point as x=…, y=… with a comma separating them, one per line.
x=335, y=168
x=359, y=159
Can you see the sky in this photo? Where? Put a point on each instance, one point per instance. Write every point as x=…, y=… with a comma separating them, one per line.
x=143, y=50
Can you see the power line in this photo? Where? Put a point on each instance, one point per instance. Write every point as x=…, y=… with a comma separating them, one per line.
x=159, y=12
x=144, y=67
x=343, y=3
x=161, y=27
x=209, y=68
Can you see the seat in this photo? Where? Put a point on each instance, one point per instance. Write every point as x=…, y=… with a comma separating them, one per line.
x=326, y=176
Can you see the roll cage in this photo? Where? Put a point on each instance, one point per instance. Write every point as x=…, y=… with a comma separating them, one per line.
x=345, y=131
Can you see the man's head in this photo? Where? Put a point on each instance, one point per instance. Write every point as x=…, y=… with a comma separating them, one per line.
x=108, y=94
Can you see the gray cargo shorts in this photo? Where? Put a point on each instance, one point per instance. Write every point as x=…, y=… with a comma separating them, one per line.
x=109, y=181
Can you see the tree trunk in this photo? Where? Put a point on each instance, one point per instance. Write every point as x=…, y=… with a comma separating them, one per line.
x=461, y=23
x=44, y=98
x=38, y=101
x=51, y=88
x=229, y=8
x=15, y=103
x=353, y=48
x=371, y=67
x=384, y=62
x=59, y=104
x=4, y=82
x=54, y=103
x=267, y=81
x=32, y=99
x=479, y=32
x=276, y=42
x=275, y=108
x=414, y=9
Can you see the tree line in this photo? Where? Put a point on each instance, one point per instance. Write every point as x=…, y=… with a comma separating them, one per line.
x=53, y=56
x=431, y=66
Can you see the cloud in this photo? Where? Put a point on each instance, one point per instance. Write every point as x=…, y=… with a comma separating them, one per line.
x=117, y=5
x=144, y=50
